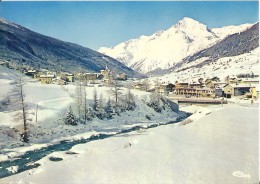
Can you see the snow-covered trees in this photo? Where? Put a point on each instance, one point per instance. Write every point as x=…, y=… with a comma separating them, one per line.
x=95, y=101
x=109, y=109
x=116, y=92
x=17, y=98
x=70, y=118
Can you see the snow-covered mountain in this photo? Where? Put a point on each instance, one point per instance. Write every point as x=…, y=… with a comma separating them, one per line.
x=164, y=49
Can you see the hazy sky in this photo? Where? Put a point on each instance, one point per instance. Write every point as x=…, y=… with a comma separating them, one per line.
x=96, y=24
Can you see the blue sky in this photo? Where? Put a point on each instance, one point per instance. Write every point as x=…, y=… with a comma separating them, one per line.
x=96, y=24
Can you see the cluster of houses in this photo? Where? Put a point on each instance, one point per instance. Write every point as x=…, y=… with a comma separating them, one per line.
x=105, y=76
x=211, y=87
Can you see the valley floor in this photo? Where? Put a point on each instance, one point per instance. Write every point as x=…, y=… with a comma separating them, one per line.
x=219, y=147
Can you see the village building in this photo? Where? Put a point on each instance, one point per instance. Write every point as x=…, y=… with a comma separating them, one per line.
x=37, y=76
x=165, y=89
x=218, y=92
x=31, y=73
x=197, y=92
x=236, y=89
x=46, y=79
x=70, y=77
x=107, y=75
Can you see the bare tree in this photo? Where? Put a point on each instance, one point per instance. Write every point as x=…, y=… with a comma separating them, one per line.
x=95, y=104
x=17, y=96
x=116, y=92
x=85, y=105
x=146, y=85
x=80, y=98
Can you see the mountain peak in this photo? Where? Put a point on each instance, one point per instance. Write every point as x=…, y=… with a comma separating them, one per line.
x=187, y=22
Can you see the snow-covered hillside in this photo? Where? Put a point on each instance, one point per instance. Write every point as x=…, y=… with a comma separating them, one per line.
x=53, y=102
x=164, y=49
x=227, y=66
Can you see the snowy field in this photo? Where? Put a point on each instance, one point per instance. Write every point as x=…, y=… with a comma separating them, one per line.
x=217, y=146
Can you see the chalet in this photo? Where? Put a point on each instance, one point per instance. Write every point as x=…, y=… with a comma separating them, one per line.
x=70, y=77
x=31, y=73
x=165, y=89
x=236, y=89
x=46, y=79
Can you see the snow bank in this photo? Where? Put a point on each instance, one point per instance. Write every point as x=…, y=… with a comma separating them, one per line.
x=221, y=147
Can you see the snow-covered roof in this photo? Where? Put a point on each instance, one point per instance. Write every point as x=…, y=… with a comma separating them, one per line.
x=91, y=73
x=47, y=76
x=69, y=74
x=31, y=71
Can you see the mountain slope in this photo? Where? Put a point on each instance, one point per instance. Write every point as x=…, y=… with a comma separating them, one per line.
x=246, y=63
x=21, y=45
x=166, y=48
x=232, y=45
